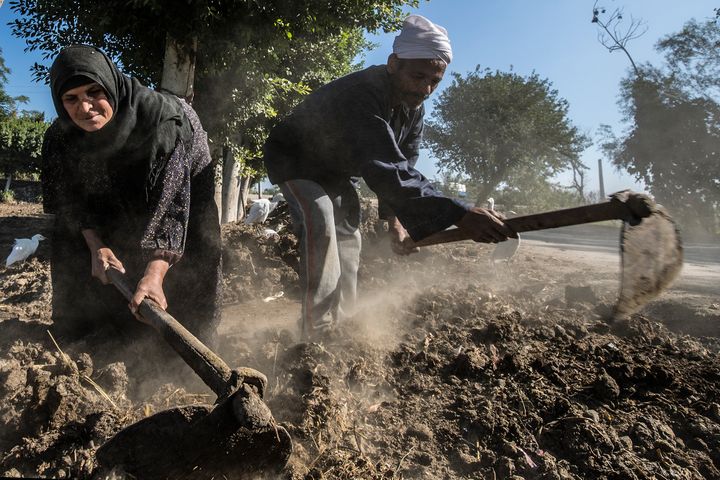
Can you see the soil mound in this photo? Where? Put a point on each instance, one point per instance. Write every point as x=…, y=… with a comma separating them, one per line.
x=451, y=371
x=481, y=389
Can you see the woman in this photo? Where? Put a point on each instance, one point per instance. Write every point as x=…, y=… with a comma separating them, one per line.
x=128, y=174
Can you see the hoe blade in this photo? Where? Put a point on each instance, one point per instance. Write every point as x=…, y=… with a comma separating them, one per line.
x=652, y=257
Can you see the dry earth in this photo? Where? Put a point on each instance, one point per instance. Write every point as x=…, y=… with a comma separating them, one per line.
x=451, y=370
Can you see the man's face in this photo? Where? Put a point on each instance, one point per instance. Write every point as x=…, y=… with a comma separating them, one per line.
x=413, y=80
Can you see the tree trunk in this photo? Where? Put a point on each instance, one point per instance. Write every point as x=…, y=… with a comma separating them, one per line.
x=230, y=187
x=179, y=68
x=8, y=176
x=218, y=189
x=243, y=196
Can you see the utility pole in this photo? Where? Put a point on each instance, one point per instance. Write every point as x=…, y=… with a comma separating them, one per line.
x=602, y=184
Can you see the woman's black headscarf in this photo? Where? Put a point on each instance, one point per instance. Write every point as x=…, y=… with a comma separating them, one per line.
x=145, y=127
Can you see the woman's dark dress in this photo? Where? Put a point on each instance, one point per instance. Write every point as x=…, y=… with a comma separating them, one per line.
x=176, y=212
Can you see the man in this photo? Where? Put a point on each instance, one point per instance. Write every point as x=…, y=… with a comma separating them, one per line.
x=368, y=124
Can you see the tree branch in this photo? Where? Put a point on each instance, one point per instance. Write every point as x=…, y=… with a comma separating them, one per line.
x=612, y=36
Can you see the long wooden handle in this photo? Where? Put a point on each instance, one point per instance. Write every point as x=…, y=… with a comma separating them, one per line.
x=625, y=206
x=209, y=367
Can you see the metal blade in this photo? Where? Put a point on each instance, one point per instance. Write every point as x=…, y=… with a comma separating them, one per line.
x=652, y=257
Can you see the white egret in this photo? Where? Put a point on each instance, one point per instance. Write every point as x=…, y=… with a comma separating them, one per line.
x=258, y=212
x=261, y=208
x=23, y=248
x=504, y=251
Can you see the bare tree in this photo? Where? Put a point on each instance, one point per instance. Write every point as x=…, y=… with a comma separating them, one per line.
x=613, y=35
x=579, y=170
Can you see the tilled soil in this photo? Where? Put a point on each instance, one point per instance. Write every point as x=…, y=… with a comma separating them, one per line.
x=479, y=375
x=477, y=389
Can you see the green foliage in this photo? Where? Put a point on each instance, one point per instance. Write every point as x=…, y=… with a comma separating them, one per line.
x=453, y=185
x=21, y=143
x=239, y=104
x=255, y=60
x=8, y=104
x=673, y=144
x=528, y=193
x=7, y=196
x=21, y=134
x=524, y=193
x=693, y=58
x=491, y=127
x=134, y=32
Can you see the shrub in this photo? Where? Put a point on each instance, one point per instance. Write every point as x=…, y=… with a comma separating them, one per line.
x=7, y=196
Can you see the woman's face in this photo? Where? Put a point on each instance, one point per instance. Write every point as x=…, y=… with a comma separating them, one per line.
x=88, y=106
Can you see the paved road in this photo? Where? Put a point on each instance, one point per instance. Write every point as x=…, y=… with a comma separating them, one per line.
x=607, y=239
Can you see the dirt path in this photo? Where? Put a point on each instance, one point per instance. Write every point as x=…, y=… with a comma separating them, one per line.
x=691, y=305
x=452, y=370
x=589, y=255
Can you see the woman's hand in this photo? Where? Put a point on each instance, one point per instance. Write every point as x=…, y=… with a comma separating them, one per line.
x=102, y=259
x=151, y=286
x=101, y=256
x=400, y=241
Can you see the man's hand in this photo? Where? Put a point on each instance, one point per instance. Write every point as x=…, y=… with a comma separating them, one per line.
x=151, y=286
x=485, y=226
x=400, y=241
x=101, y=257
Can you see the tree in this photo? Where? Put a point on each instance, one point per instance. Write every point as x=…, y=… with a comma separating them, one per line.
x=615, y=36
x=693, y=58
x=242, y=103
x=673, y=142
x=492, y=126
x=226, y=36
x=21, y=133
x=137, y=33
x=527, y=193
x=21, y=139
x=8, y=104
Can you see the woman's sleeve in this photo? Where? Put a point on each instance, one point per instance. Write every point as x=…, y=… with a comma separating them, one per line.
x=169, y=207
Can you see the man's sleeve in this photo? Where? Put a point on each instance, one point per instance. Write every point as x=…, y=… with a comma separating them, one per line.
x=418, y=206
x=411, y=151
x=411, y=147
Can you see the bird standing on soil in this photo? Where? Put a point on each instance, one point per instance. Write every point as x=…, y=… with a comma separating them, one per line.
x=261, y=208
x=504, y=251
x=275, y=201
x=23, y=248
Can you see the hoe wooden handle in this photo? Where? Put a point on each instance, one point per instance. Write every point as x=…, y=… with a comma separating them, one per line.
x=209, y=367
x=627, y=206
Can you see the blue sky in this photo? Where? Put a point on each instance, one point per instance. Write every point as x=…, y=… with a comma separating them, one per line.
x=554, y=38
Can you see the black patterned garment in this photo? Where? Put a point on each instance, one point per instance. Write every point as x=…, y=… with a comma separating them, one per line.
x=141, y=206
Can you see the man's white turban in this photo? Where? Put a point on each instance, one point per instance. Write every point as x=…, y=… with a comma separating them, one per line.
x=420, y=38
